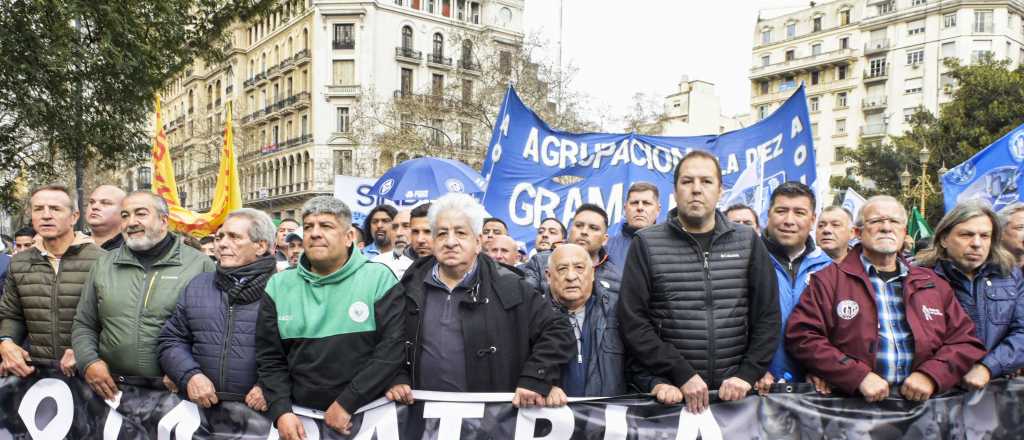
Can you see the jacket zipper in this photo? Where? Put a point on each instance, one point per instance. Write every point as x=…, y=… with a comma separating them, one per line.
x=149, y=290
x=55, y=311
x=142, y=309
x=224, y=350
x=709, y=302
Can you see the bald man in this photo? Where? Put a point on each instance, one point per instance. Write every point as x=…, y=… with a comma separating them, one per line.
x=598, y=367
x=503, y=249
x=103, y=214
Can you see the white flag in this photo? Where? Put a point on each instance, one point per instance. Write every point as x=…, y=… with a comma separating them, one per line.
x=751, y=177
x=852, y=202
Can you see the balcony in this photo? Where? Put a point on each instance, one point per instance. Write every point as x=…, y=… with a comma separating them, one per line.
x=876, y=46
x=470, y=65
x=302, y=57
x=249, y=83
x=260, y=77
x=344, y=44
x=284, y=145
x=299, y=100
x=822, y=60
x=274, y=71
x=872, y=103
x=873, y=130
x=439, y=60
x=408, y=55
x=287, y=65
x=347, y=91
x=876, y=74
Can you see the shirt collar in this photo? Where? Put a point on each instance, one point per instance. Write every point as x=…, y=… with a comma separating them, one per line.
x=872, y=271
x=466, y=281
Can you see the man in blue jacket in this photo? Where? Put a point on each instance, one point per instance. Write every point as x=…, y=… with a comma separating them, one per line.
x=787, y=235
x=967, y=252
x=642, y=209
x=208, y=346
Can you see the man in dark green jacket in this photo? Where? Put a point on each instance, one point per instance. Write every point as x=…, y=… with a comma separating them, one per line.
x=129, y=295
x=329, y=334
x=43, y=287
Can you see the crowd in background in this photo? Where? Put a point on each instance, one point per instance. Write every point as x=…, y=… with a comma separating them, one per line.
x=709, y=304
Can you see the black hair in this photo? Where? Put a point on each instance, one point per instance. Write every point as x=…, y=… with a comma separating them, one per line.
x=390, y=210
x=27, y=231
x=419, y=211
x=362, y=235
x=793, y=189
x=592, y=208
x=697, y=154
x=741, y=207
x=495, y=219
x=289, y=220
x=560, y=225
x=206, y=239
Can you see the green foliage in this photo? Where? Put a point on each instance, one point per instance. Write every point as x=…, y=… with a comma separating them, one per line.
x=987, y=104
x=78, y=77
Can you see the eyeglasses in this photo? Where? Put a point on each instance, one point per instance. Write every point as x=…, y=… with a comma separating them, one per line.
x=879, y=221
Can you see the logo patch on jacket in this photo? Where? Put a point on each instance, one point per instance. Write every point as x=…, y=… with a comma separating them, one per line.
x=733, y=255
x=359, y=311
x=930, y=312
x=847, y=309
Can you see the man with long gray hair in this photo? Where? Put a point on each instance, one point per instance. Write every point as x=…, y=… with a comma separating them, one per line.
x=329, y=335
x=1011, y=221
x=208, y=346
x=967, y=251
x=140, y=283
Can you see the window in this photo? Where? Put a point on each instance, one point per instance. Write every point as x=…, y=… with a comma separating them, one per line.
x=343, y=36
x=816, y=24
x=791, y=30
x=505, y=62
x=790, y=54
x=949, y=50
x=506, y=17
x=343, y=162
x=844, y=43
x=467, y=52
x=766, y=36
x=344, y=73
x=885, y=7
x=438, y=46
x=406, y=82
x=844, y=17
x=918, y=2
x=912, y=86
x=815, y=77
x=467, y=90
x=841, y=72
x=814, y=130
x=343, y=120
x=876, y=67
x=814, y=101
x=915, y=28
x=762, y=112
x=981, y=50
x=949, y=20
x=431, y=6
x=436, y=135
x=841, y=100
x=466, y=134
x=437, y=85
x=840, y=126
x=788, y=83
x=915, y=57
x=816, y=49
x=765, y=85
x=765, y=60
x=983, y=21
x=305, y=125
x=406, y=122
x=908, y=113
x=407, y=37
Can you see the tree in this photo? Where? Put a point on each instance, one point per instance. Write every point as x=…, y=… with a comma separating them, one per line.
x=78, y=77
x=986, y=105
x=645, y=116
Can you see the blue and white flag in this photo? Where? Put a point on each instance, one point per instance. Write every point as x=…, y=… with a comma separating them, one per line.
x=993, y=175
x=535, y=172
x=853, y=201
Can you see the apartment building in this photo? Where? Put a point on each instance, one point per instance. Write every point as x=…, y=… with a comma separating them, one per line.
x=693, y=110
x=296, y=77
x=869, y=65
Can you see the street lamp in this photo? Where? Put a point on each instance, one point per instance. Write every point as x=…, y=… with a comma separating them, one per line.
x=924, y=187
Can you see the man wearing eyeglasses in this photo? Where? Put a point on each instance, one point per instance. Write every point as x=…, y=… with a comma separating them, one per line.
x=872, y=321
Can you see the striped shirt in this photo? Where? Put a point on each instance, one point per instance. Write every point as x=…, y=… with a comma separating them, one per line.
x=896, y=342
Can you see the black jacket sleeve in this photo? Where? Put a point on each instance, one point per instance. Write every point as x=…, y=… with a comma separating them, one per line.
x=655, y=360
x=765, y=319
x=272, y=362
x=388, y=355
x=552, y=344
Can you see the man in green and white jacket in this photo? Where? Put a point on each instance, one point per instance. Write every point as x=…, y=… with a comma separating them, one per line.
x=329, y=334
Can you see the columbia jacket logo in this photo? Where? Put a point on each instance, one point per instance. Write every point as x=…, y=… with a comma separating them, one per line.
x=930, y=312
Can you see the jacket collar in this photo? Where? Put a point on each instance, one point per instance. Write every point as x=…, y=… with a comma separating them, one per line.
x=853, y=266
x=627, y=230
x=722, y=224
x=356, y=260
x=489, y=281
x=79, y=241
x=778, y=252
x=949, y=272
x=124, y=255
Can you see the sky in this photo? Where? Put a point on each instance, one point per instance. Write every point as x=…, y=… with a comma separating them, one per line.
x=620, y=48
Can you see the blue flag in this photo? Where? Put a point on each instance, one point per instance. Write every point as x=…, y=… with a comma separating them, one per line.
x=993, y=175
x=535, y=172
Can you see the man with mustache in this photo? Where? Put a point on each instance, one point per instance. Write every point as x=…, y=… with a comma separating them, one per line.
x=493, y=227
x=44, y=285
x=104, y=216
x=589, y=230
x=835, y=228
x=699, y=307
x=550, y=232
x=787, y=236
x=376, y=225
x=968, y=253
x=872, y=321
x=129, y=295
x=287, y=226
x=642, y=210
x=420, y=240
x=397, y=259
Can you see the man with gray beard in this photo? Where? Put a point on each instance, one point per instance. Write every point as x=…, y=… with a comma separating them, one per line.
x=129, y=295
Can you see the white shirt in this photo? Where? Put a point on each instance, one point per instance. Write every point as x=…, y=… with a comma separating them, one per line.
x=397, y=262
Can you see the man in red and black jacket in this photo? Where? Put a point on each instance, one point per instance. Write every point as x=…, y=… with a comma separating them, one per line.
x=872, y=321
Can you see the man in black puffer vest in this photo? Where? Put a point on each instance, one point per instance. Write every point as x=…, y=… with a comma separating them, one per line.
x=699, y=306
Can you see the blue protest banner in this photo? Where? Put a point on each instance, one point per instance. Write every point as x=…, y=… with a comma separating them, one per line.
x=993, y=175
x=535, y=172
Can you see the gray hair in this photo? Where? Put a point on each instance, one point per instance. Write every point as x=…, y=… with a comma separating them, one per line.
x=1008, y=211
x=261, y=228
x=159, y=202
x=962, y=212
x=878, y=199
x=464, y=204
x=327, y=205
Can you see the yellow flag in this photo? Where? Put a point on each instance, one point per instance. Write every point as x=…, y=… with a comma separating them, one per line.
x=163, y=172
x=227, y=196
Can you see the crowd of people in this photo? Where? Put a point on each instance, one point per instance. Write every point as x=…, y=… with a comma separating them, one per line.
x=322, y=313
